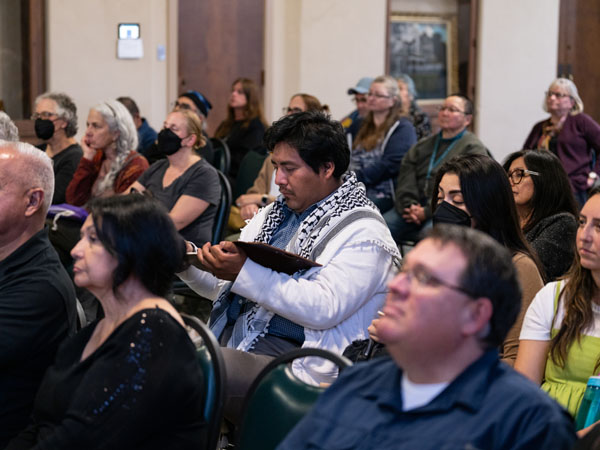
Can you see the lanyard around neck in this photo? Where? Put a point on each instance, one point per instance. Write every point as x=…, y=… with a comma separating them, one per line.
x=433, y=162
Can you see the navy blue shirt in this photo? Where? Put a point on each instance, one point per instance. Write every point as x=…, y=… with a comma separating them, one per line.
x=488, y=406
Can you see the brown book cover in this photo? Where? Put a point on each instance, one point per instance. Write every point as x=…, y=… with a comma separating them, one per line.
x=275, y=258
x=266, y=255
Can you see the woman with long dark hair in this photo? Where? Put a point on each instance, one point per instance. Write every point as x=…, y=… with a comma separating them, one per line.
x=560, y=340
x=244, y=127
x=546, y=207
x=473, y=190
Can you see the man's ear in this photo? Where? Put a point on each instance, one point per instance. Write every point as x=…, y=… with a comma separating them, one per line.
x=468, y=119
x=35, y=201
x=477, y=317
x=327, y=169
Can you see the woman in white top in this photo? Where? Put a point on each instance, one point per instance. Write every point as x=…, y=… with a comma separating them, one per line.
x=560, y=338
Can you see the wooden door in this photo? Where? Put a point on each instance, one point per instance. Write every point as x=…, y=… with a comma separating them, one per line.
x=578, y=48
x=219, y=41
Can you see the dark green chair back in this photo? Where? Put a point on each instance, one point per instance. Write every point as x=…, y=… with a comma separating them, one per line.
x=211, y=361
x=222, y=155
x=223, y=209
x=277, y=400
x=248, y=171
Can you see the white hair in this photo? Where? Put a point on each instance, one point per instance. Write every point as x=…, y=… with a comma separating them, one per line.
x=8, y=130
x=37, y=170
x=118, y=118
x=571, y=89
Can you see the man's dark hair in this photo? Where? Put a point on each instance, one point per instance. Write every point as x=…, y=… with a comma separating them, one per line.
x=317, y=138
x=130, y=105
x=466, y=100
x=139, y=233
x=489, y=273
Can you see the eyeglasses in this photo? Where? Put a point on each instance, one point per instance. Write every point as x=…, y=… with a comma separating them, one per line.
x=516, y=176
x=288, y=110
x=358, y=100
x=450, y=109
x=425, y=278
x=182, y=106
x=377, y=95
x=558, y=95
x=45, y=115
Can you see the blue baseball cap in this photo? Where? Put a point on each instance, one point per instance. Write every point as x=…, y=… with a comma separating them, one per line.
x=362, y=87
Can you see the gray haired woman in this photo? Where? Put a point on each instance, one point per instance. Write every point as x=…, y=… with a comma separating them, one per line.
x=570, y=134
x=109, y=164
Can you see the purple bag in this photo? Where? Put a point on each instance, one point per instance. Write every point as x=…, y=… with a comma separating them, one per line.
x=66, y=211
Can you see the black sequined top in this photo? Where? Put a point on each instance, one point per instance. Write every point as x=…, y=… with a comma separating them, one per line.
x=142, y=388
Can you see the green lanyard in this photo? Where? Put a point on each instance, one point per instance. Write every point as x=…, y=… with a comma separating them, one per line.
x=433, y=162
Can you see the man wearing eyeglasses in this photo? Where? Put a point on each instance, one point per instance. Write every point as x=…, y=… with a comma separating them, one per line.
x=417, y=172
x=443, y=385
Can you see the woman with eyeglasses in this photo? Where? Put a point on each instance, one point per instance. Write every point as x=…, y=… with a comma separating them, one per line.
x=473, y=190
x=184, y=182
x=109, y=164
x=560, y=340
x=130, y=380
x=570, y=134
x=385, y=136
x=244, y=127
x=546, y=207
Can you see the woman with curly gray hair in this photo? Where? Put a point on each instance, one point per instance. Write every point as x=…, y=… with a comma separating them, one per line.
x=109, y=164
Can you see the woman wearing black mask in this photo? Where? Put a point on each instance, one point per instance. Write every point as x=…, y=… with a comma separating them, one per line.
x=184, y=182
x=473, y=190
x=56, y=123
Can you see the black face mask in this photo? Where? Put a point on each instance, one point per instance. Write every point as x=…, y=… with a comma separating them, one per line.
x=448, y=213
x=168, y=142
x=44, y=128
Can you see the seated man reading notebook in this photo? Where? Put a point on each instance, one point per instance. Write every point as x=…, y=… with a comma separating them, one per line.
x=322, y=214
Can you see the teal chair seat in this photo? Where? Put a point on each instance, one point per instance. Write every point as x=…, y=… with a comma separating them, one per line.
x=208, y=353
x=277, y=400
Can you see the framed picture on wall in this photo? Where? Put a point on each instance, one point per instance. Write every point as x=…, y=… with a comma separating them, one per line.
x=425, y=48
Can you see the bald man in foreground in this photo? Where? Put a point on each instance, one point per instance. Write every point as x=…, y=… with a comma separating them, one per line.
x=37, y=298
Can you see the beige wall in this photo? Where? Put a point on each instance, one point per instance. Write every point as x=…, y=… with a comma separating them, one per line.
x=518, y=48
x=82, y=42
x=321, y=47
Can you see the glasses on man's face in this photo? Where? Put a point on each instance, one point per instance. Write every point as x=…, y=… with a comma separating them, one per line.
x=45, y=115
x=558, y=95
x=450, y=109
x=179, y=105
x=288, y=110
x=377, y=95
x=362, y=99
x=517, y=175
x=425, y=278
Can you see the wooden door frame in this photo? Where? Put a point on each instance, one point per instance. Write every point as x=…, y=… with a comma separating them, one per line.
x=33, y=29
